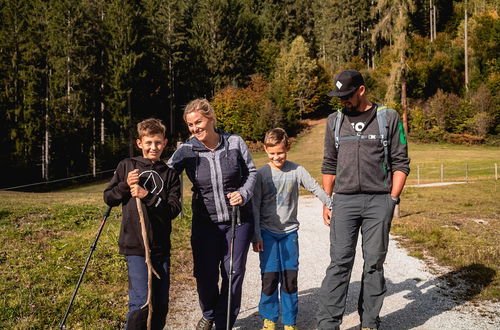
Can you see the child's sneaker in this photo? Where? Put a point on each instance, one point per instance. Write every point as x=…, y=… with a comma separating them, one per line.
x=269, y=325
x=291, y=327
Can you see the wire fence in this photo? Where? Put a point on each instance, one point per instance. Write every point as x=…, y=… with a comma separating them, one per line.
x=53, y=182
x=422, y=173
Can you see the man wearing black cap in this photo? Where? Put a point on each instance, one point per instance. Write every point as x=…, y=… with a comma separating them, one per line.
x=365, y=166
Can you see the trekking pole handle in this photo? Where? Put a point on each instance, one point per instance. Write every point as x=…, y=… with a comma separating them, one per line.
x=107, y=212
x=236, y=214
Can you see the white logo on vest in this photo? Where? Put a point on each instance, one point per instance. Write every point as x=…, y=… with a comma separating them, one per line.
x=359, y=126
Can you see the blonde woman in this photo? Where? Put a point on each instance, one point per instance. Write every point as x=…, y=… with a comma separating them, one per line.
x=223, y=175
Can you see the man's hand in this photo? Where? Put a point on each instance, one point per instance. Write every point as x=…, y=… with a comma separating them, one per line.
x=235, y=198
x=137, y=191
x=258, y=246
x=133, y=178
x=327, y=216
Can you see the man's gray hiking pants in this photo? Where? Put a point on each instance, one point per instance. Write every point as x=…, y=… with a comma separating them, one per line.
x=372, y=213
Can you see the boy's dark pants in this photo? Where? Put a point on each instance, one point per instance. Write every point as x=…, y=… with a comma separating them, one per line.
x=372, y=213
x=138, y=292
x=211, y=254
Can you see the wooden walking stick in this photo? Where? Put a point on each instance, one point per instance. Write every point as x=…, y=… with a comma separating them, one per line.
x=147, y=253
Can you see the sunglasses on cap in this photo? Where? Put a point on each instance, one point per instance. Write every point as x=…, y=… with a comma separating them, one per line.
x=348, y=96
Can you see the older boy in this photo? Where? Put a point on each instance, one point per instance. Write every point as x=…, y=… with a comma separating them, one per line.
x=158, y=187
x=275, y=204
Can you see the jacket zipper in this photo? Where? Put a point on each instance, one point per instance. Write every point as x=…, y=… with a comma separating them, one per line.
x=217, y=191
x=359, y=176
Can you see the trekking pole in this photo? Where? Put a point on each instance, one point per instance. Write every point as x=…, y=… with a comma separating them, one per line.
x=235, y=220
x=92, y=248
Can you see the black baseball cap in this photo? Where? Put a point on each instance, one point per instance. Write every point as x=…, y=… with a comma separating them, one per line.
x=346, y=83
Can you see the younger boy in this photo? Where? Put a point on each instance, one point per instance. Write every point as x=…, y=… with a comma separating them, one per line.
x=158, y=187
x=275, y=203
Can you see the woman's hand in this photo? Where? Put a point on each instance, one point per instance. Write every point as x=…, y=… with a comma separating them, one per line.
x=235, y=198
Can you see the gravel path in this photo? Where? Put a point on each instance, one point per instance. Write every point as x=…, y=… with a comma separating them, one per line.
x=416, y=298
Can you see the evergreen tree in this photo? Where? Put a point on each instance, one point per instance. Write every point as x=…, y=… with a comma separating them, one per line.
x=122, y=55
x=168, y=45
x=340, y=30
x=21, y=80
x=225, y=37
x=72, y=55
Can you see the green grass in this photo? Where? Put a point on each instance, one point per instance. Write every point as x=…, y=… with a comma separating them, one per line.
x=458, y=226
x=460, y=163
x=46, y=240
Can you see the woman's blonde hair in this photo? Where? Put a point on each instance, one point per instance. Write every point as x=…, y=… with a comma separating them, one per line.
x=276, y=136
x=203, y=106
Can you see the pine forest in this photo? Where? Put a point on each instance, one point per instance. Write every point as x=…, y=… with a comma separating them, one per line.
x=77, y=75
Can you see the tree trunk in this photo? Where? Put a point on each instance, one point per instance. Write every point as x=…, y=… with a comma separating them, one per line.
x=102, y=122
x=431, y=24
x=172, y=95
x=130, y=128
x=466, y=55
x=434, y=20
x=94, y=160
x=68, y=70
x=404, y=104
x=46, y=148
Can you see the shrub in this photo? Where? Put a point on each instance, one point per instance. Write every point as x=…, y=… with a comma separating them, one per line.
x=441, y=111
x=246, y=111
x=465, y=139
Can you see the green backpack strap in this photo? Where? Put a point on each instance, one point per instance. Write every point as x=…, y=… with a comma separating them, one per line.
x=383, y=127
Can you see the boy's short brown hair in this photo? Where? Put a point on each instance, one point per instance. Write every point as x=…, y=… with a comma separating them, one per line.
x=276, y=136
x=150, y=126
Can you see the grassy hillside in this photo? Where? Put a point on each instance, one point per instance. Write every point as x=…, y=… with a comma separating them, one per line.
x=46, y=239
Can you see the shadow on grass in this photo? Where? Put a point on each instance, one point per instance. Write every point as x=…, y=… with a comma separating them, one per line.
x=4, y=214
x=424, y=299
x=410, y=214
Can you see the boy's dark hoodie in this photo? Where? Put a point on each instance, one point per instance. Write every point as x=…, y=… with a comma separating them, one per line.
x=161, y=205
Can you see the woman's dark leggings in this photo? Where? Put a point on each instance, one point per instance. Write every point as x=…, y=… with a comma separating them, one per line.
x=211, y=254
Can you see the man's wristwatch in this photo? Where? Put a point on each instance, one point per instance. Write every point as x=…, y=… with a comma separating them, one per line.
x=395, y=199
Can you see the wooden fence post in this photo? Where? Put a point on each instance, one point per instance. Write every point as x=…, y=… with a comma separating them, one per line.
x=418, y=175
x=397, y=212
x=496, y=171
x=466, y=172
x=442, y=172
x=179, y=143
